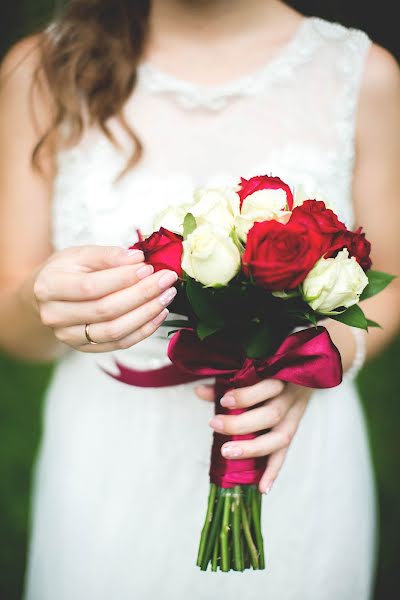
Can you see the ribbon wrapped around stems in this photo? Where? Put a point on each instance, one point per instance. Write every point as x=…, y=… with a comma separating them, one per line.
x=307, y=358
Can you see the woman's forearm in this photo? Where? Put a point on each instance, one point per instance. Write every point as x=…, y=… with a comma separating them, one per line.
x=22, y=334
x=384, y=309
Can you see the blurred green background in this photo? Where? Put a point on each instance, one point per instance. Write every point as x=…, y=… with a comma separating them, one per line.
x=22, y=385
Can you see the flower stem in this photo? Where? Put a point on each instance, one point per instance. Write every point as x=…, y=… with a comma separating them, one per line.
x=207, y=523
x=224, y=535
x=256, y=514
x=237, y=547
x=215, y=526
x=250, y=543
x=214, y=562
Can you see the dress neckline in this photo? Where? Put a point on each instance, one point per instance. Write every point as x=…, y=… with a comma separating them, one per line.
x=214, y=96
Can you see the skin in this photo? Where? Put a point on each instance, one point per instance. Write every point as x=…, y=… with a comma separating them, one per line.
x=46, y=297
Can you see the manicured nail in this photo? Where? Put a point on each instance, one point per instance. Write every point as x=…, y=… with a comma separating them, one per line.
x=228, y=401
x=167, y=297
x=135, y=253
x=232, y=451
x=145, y=271
x=167, y=280
x=216, y=423
x=161, y=317
x=267, y=487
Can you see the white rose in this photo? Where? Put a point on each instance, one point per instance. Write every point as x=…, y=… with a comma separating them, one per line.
x=310, y=192
x=171, y=218
x=210, y=256
x=215, y=206
x=263, y=205
x=334, y=282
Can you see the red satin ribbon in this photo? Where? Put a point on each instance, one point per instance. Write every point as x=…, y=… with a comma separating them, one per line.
x=308, y=358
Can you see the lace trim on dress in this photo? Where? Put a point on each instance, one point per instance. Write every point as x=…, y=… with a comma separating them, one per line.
x=191, y=96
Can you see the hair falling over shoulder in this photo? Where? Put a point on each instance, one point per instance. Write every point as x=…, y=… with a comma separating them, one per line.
x=89, y=59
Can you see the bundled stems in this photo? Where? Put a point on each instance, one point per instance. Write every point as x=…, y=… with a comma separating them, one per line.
x=231, y=537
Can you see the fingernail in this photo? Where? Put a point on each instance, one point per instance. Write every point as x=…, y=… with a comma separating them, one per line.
x=167, y=280
x=216, y=423
x=161, y=317
x=228, y=401
x=133, y=252
x=145, y=271
x=167, y=297
x=232, y=451
x=267, y=487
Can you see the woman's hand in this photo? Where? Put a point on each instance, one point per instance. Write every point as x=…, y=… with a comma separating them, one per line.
x=110, y=288
x=278, y=407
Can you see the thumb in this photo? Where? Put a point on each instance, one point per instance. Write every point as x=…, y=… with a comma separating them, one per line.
x=205, y=392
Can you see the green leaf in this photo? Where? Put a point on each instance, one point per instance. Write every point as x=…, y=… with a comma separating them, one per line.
x=177, y=323
x=236, y=240
x=373, y=324
x=203, y=330
x=311, y=317
x=189, y=225
x=259, y=341
x=377, y=281
x=203, y=304
x=286, y=295
x=353, y=316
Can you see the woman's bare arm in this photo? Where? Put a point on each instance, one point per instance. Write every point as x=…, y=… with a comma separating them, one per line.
x=24, y=205
x=376, y=195
x=47, y=297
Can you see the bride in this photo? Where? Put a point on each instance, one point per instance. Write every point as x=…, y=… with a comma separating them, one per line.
x=116, y=110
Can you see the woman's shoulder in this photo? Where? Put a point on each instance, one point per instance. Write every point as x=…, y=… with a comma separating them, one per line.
x=381, y=73
x=19, y=70
x=21, y=61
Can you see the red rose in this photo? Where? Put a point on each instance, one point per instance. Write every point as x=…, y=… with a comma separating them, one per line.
x=279, y=256
x=315, y=214
x=163, y=249
x=264, y=182
x=357, y=245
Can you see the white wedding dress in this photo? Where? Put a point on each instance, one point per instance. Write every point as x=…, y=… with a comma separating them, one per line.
x=121, y=482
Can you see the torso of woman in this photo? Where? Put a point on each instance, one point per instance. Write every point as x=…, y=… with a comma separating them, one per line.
x=121, y=479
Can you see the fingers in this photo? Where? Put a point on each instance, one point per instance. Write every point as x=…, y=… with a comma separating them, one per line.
x=275, y=462
x=134, y=338
x=106, y=309
x=205, y=392
x=288, y=426
x=117, y=329
x=274, y=443
x=75, y=286
x=254, y=394
x=96, y=258
x=263, y=445
x=256, y=419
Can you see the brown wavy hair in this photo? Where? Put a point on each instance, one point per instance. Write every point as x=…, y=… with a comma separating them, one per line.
x=88, y=61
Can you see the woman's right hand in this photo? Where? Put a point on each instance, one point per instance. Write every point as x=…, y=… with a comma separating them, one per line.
x=110, y=288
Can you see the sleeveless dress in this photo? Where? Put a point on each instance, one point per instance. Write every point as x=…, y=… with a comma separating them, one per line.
x=121, y=481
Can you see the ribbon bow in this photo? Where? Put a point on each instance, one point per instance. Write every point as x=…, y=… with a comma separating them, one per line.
x=308, y=358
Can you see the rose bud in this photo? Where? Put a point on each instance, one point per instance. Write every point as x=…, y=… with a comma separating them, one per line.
x=210, y=256
x=171, y=218
x=264, y=182
x=215, y=206
x=163, y=249
x=357, y=245
x=279, y=257
x=333, y=283
x=262, y=205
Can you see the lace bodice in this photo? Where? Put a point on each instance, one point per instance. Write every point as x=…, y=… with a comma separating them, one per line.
x=293, y=118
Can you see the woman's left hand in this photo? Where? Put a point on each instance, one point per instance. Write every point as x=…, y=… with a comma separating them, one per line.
x=278, y=407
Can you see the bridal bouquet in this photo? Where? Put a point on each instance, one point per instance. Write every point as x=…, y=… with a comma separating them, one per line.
x=259, y=267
